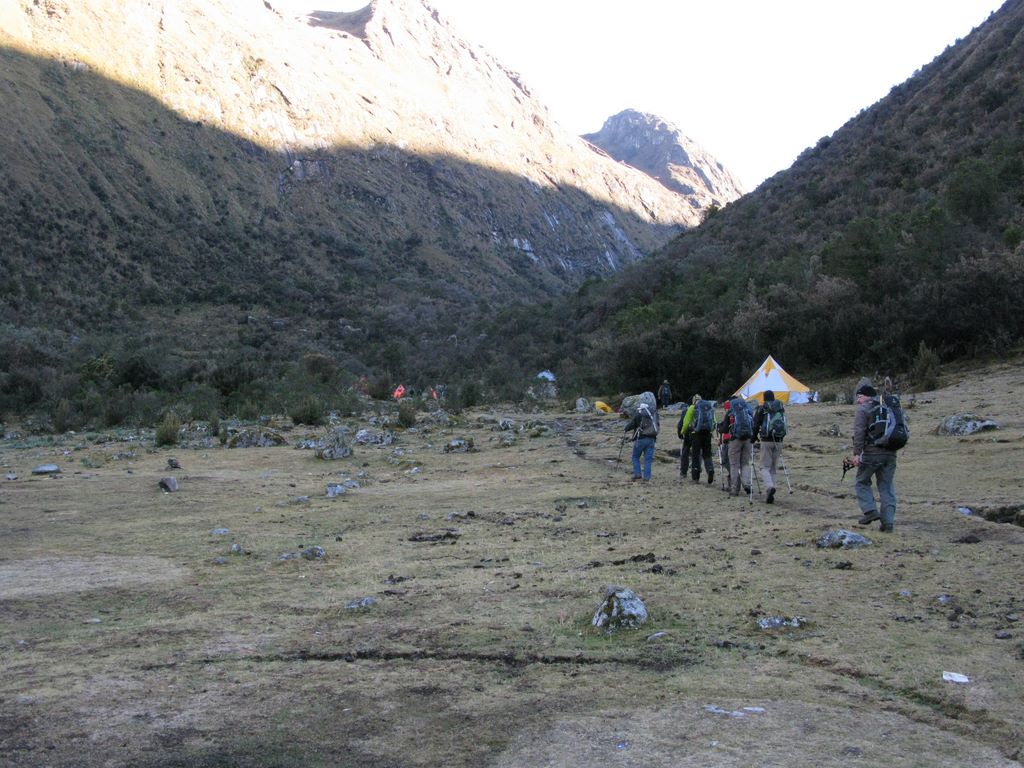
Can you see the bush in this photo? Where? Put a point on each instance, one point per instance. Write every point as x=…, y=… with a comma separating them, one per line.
x=308, y=411
x=167, y=431
x=925, y=370
x=407, y=413
x=380, y=387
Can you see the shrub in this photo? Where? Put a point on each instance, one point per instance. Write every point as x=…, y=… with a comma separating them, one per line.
x=380, y=387
x=925, y=369
x=407, y=413
x=167, y=431
x=309, y=411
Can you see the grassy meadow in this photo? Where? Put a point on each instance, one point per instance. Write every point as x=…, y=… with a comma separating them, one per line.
x=132, y=635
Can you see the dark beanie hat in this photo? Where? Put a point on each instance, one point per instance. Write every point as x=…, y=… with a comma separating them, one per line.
x=769, y=395
x=867, y=389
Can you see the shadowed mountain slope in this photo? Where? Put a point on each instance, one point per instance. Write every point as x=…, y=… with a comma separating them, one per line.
x=362, y=185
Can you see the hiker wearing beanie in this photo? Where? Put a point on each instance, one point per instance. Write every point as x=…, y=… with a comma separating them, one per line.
x=872, y=461
x=644, y=426
x=769, y=430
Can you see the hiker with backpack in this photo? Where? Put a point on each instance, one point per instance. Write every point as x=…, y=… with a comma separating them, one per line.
x=699, y=421
x=769, y=429
x=644, y=427
x=741, y=432
x=879, y=431
x=664, y=395
x=683, y=430
x=723, y=442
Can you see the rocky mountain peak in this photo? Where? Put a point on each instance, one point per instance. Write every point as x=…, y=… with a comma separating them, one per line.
x=660, y=149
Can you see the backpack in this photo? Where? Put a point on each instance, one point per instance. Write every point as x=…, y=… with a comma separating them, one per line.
x=742, y=419
x=774, y=425
x=648, y=427
x=704, y=416
x=887, y=424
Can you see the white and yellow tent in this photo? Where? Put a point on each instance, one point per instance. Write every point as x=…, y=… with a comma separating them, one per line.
x=772, y=376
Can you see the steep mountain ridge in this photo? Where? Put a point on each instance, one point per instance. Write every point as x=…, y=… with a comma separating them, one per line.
x=661, y=150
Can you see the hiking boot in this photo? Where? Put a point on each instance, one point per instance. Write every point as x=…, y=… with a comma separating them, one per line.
x=696, y=478
x=711, y=478
x=886, y=529
x=868, y=518
x=635, y=478
x=771, y=496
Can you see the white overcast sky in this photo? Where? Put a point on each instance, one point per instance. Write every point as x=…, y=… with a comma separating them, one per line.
x=755, y=82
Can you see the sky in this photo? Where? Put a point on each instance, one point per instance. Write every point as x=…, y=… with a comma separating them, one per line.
x=755, y=82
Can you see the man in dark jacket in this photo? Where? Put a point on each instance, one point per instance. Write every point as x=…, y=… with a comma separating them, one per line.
x=872, y=461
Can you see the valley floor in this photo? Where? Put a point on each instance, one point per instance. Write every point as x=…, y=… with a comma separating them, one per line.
x=132, y=635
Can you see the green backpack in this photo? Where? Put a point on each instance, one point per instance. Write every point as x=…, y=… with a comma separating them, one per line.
x=774, y=425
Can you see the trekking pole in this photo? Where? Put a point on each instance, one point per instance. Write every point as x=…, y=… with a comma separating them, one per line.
x=622, y=442
x=753, y=477
x=782, y=461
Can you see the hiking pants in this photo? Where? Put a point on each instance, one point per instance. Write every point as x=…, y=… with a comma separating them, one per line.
x=881, y=466
x=700, y=447
x=684, y=454
x=643, y=446
x=739, y=464
x=771, y=454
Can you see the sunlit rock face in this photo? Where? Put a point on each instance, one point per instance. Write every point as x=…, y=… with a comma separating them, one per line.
x=375, y=125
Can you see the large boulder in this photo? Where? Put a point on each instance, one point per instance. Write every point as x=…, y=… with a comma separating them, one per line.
x=632, y=402
x=334, y=445
x=965, y=424
x=255, y=438
x=620, y=608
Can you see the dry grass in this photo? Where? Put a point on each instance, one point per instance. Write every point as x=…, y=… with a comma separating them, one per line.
x=123, y=643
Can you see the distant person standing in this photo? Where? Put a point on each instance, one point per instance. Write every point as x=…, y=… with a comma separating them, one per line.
x=872, y=461
x=769, y=429
x=664, y=395
x=644, y=425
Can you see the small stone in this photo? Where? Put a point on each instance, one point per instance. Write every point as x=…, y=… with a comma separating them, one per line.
x=1012, y=617
x=219, y=532
x=168, y=484
x=46, y=469
x=10, y=476
x=314, y=553
x=362, y=602
x=1004, y=635
x=955, y=677
x=220, y=560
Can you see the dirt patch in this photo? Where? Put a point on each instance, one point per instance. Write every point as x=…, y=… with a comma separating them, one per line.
x=50, y=575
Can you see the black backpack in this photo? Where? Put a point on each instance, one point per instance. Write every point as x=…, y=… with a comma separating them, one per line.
x=742, y=419
x=648, y=427
x=704, y=416
x=887, y=424
x=774, y=426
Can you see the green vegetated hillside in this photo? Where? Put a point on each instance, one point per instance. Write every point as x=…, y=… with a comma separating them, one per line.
x=894, y=240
